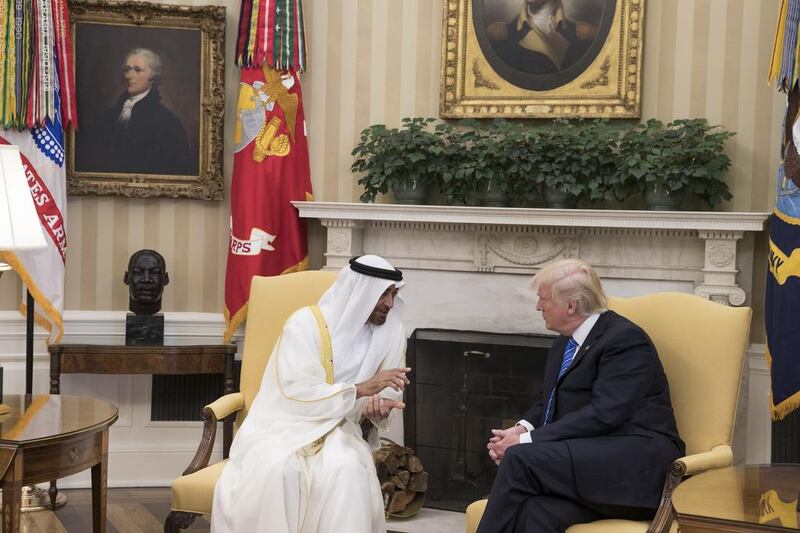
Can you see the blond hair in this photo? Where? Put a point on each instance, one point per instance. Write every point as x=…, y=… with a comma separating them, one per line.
x=573, y=279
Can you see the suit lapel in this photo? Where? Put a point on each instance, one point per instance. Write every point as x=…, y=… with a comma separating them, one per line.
x=594, y=335
x=552, y=371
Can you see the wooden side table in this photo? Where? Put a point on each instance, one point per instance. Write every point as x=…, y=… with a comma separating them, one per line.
x=740, y=499
x=116, y=359
x=48, y=437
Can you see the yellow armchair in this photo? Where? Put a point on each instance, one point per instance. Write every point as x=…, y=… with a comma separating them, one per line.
x=702, y=346
x=272, y=301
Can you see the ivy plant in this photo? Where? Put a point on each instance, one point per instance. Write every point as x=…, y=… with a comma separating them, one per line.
x=684, y=156
x=391, y=158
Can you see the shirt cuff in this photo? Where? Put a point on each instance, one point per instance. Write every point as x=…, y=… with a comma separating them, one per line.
x=527, y=425
x=525, y=438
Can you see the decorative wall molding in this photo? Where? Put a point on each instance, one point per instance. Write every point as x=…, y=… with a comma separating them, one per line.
x=596, y=218
x=695, y=247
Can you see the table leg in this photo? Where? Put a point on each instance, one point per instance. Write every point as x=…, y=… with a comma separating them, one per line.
x=99, y=491
x=55, y=373
x=53, y=492
x=12, y=494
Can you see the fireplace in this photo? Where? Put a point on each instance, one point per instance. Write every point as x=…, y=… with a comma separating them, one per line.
x=464, y=384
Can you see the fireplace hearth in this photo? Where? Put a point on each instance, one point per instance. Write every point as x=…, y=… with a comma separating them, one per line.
x=464, y=384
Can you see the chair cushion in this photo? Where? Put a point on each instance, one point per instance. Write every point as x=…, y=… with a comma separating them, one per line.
x=475, y=511
x=610, y=526
x=195, y=493
x=615, y=526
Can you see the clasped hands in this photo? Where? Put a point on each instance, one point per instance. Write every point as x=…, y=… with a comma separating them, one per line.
x=501, y=440
x=378, y=408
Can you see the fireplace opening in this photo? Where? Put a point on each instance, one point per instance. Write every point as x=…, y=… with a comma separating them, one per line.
x=464, y=384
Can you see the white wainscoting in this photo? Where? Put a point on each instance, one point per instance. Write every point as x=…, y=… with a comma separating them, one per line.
x=758, y=422
x=143, y=453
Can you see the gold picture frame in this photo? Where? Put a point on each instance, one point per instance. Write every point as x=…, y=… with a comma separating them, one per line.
x=494, y=65
x=169, y=140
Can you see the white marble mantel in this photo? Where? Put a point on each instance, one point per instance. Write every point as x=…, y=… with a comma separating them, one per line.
x=634, y=251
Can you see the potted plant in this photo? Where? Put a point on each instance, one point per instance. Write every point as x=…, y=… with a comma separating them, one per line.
x=664, y=162
x=514, y=155
x=597, y=151
x=560, y=160
x=405, y=160
x=461, y=165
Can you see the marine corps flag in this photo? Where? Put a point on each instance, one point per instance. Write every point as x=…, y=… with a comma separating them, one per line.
x=782, y=307
x=270, y=170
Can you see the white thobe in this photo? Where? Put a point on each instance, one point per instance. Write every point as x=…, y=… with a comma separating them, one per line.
x=298, y=463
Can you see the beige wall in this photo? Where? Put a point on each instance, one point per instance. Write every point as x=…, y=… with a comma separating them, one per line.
x=375, y=61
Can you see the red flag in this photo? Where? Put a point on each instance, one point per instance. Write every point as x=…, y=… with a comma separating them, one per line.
x=270, y=169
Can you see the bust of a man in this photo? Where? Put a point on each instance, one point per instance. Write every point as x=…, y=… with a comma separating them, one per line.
x=146, y=277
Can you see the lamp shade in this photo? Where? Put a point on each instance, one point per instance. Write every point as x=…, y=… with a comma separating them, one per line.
x=20, y=228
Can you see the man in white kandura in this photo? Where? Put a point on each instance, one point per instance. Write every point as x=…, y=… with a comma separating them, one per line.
x=299, y=463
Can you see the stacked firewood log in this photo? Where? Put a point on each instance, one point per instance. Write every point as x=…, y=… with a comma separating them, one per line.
x=403, y=480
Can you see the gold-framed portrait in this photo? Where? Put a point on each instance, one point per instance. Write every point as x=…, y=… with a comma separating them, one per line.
x=541, y=58
x=150, y=96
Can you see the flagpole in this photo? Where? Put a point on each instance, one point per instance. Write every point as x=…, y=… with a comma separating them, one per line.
x=33, y=498
x=29, y=344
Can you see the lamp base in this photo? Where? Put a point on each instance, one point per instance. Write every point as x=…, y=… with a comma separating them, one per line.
x=36, y=499
x=4, y=409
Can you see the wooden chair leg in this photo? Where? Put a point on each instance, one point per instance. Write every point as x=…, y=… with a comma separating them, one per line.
x=177, y=520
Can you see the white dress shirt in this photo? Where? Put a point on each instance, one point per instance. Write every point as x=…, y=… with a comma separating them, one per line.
x=127, y=106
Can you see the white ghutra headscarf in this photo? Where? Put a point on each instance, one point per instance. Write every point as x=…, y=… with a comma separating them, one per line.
x=359, y=347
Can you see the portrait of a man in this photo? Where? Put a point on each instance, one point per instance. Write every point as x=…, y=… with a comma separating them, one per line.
x=149, y=88
x=540, y=39
x=138, y=100
x=540, y=45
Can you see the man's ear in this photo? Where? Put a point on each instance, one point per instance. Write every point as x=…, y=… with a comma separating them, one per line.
x=125, y=278
x=166, y=278
x=572, y=307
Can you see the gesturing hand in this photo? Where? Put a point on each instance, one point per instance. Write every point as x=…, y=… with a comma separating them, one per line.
x=391, y=377
x=378, y=408
x=500, y=441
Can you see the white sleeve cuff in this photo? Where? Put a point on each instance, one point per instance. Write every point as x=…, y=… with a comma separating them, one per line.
x=527, y=425
x=525, y=438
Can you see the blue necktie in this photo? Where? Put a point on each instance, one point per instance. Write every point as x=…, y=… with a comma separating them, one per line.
x=569, y=354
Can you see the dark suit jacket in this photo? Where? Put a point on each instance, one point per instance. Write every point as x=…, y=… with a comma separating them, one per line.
x=612, y=409
x=152, y=142
x=535, y=62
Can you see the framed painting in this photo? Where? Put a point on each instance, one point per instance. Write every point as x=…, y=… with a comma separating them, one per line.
x=541, y=58
x=150, y=97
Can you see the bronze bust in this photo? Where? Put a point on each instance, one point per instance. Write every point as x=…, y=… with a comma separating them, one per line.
x=146, y=277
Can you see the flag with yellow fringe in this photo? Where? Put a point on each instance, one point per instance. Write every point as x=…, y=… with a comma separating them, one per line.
x=270, y=162
x=782, y=305
x=36, y=104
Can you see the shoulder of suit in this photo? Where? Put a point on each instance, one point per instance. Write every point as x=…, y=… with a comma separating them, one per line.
x=618, y=321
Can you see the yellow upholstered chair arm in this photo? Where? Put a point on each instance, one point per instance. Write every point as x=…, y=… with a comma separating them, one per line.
x=718, y=457
x=228, y=404
x=211, y=414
